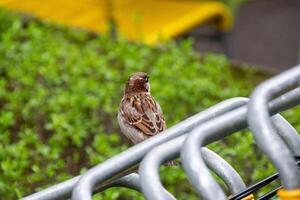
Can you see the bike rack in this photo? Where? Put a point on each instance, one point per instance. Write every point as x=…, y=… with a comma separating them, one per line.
x=187, y=140
x=263, y=128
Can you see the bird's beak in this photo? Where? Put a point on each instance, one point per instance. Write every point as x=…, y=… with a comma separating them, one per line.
x=147, y=86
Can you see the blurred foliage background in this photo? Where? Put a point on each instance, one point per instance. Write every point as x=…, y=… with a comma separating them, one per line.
x=59, y=93
x=234, y=4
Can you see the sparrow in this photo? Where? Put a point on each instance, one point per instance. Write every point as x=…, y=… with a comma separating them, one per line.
x=140, y=115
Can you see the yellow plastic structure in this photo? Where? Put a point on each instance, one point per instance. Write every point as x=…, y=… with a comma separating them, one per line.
x=289, y=194
x=249, y=197
x=138, y=20
x=87, y=14
x=155, y=20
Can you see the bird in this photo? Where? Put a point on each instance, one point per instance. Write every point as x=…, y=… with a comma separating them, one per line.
x=140, y=115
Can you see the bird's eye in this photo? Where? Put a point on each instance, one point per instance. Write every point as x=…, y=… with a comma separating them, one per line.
x=146, y=78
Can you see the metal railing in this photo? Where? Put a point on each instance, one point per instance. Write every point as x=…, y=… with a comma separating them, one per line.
x=187, y=140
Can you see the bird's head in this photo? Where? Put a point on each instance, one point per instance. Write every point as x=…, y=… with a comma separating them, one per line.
x=138, y=82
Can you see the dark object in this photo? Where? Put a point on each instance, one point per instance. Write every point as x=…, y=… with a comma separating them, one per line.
x=267, y=33
x=259, y=185
x=270, y=194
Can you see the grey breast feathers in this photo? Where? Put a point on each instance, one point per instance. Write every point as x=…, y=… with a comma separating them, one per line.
x=142, y=113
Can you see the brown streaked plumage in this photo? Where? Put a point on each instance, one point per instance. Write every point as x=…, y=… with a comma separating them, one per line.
x=140, y=116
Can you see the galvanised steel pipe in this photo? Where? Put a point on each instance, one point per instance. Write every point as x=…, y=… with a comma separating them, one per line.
x=149, y=167
x=224, y=170
x=287, y=133
x=215, y=129
x=133, y=155
x=60, y=190
x=64, y=189
x=131, y=181
x=263, y=129
x=259, y=184
x=151, y=185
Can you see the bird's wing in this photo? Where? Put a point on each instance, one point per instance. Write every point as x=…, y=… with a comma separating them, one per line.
x=160, y=113
x=143, y=113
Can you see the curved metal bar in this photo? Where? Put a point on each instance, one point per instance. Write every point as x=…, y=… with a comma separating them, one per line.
x=133, y=155
x=149, y=167
x=64, y=189
x=59, y=191
x=224, y=170
x=215, y=129
x=288, y=133
x=150, y=181
x=131, y=181
x=263, y=130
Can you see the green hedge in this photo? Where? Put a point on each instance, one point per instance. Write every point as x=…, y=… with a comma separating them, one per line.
x=59, y=94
